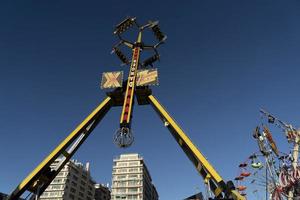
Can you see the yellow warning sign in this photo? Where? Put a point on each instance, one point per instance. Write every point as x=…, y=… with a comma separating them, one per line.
x=112, y=80
x=147, y=77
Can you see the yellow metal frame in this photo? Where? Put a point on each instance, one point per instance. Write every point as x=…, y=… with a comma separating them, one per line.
x=39, y=179
x=200, y=162
x=39, y=174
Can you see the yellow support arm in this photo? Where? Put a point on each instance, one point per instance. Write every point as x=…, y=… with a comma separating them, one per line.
x=38, y=180
x=217, y=184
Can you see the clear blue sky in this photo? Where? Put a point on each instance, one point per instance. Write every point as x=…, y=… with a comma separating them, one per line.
x=223, y=60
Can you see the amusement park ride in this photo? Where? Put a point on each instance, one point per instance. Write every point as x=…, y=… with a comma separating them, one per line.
x=278, y=175
x=140, y=77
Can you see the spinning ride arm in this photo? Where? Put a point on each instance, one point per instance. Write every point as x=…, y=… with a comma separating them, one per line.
x=217, y=184
x=129, y=94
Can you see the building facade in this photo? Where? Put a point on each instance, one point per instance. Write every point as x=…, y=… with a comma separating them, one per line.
x=131, y=179
x=73, y=182
x=4, y=196
x=102, y=192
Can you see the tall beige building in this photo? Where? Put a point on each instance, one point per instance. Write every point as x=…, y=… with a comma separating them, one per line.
x=73, y=182
x=131, y=179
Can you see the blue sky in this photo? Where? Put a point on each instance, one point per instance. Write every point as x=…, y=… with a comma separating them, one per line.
x=223, y=60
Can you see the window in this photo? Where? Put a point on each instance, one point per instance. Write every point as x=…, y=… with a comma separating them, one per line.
x=73, y=190
x=122, y=170
x=75, y=177
x=51, y=194
x=133, y=176
x=71, y=196
x=81, y=188
x=121, y=164
x=45, y=194
x=132, y=183
x=60, y=174
x=57, y=180
x=84, y=177
x=82, y=182
x=121, y=190
x=119, y=183
x=132, y=189
x=73, y=183
x=121, y=177
x=56, y=187
x=81, y=194
x=133, y=163
x=75, y=170
x=131, y=197
x=133, y=170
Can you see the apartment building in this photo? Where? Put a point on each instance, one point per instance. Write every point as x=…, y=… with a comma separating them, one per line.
x=73, y=182
x=131, y=179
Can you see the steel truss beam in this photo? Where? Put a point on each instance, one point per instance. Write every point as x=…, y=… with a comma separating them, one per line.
x=205, y=169
x=39, y=179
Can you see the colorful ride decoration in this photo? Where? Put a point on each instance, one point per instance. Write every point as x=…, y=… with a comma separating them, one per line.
x=289, y=179
x=249, y=174
x=277, y=176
